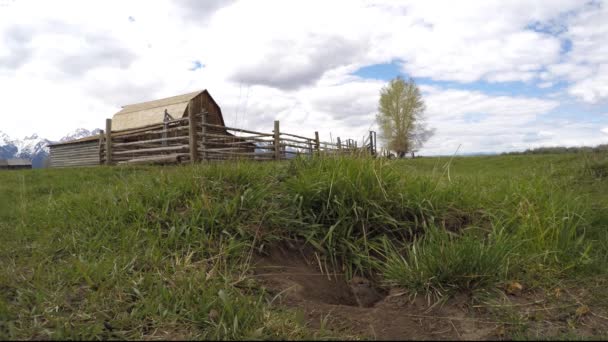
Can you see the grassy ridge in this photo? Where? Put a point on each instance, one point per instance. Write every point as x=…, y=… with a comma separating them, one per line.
x=155, y=252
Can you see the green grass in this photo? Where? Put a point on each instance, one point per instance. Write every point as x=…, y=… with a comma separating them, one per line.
x=163, y=252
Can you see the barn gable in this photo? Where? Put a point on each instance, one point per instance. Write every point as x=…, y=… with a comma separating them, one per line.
x=153, y=112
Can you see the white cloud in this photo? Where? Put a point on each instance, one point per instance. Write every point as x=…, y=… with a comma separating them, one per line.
x=546, y=133
x=585, y=66
x=480, y=122
x=292, y=61
x=593, y=88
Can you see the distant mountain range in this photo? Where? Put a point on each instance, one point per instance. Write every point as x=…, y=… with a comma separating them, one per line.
x=34, y=147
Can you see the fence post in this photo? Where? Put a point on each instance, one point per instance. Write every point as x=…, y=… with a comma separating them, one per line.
x=317, y=143
x=339, y=145
x=101, y=152
x=108, y=141
x=192, y=133
x=277, y=141
x=165, y=127
x=204, y=134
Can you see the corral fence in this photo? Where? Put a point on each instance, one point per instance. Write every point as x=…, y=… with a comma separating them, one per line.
x=192, y=139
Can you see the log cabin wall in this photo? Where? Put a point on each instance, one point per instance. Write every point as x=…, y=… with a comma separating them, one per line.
x=84, y=153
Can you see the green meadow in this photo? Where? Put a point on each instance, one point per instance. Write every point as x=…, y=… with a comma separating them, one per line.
x=166, y=252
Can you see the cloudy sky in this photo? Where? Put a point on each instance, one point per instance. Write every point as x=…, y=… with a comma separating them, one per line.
x=496, y=75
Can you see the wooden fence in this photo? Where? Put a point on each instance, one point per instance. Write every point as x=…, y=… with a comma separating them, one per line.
x=192, y=139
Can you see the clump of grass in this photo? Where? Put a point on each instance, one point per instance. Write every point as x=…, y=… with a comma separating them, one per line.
x=596, y=167
x=342, y=205
x=440, y=263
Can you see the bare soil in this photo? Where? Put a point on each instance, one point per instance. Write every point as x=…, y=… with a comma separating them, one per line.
x=293, y=279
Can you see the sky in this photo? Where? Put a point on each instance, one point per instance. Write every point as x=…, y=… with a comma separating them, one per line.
x=496, y=76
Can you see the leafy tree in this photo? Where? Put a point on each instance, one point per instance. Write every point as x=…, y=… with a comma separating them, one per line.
x=401, y=117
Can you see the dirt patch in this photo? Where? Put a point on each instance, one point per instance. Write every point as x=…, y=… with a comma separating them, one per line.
x=294, y=279
x=455, y=220
x=555, y=313
x=292, y=276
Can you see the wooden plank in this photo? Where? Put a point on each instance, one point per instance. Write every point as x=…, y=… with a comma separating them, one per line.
x=242, y=137
x=234, y=148
x=66, y=159
x=204, y=134
x=217, y=142
x=108, y=148
x=327, y=143
x=317, y=145
x=277, y=141
x=140, y=142
x=239, y=130
x=166, y=159
x=75, y=153
x=293, y=140
x=240, y=153
x=70, y=153
x=92, y=146
x=225, y=149
x=100, y=148
x=232, y=138
x=92, y=152
x=157, y=149
x=294, y=146
x=296, y=136
x=161, y=131
x=88, y=145
x=75, y=163
x=192, y=132
x=88, y=156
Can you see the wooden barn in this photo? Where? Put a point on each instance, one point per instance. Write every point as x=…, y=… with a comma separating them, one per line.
x=15, y=164
x=156, y=130
x=186, y=128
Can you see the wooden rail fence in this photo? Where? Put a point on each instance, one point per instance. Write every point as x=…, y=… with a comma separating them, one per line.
x=192, y=139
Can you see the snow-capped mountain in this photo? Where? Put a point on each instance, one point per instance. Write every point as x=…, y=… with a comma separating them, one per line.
x=34, y=147
x=80, y=133
x=31, y=146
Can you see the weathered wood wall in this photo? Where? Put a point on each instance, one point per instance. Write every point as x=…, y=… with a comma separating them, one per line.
x=76, y=154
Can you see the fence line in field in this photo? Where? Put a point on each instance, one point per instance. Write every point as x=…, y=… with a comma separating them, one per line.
x=193, y=139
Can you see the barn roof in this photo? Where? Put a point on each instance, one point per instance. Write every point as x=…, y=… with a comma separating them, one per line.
x=75, y=141
x=149, y=113
x=153, y=112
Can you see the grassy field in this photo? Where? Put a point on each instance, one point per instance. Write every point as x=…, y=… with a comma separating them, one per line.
x=166, y=252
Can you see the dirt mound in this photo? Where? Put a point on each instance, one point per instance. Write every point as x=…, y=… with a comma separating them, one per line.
x=294, y=279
